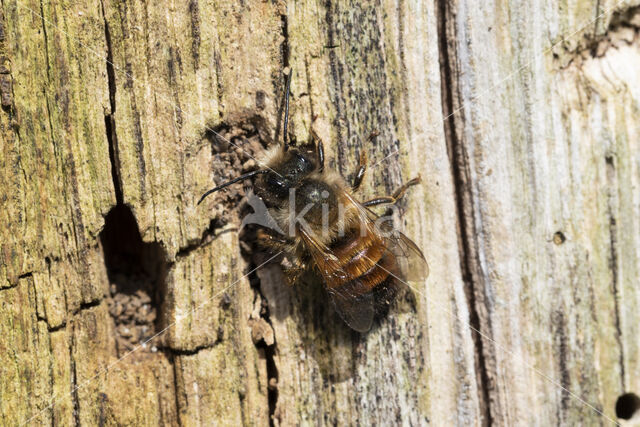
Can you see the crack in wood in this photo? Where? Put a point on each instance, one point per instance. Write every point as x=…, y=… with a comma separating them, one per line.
x=285, y=40
x=337, y=83
x=109, y=119
x=194, y=12
x=597, y=18
x=269, y=350
x=74, y=381
x=56, y=328
x=46, y=40
x=87, y=306
x=613, y=259
x=280, y=85
x=190, y=351
x=464, y=207
x=562, y=349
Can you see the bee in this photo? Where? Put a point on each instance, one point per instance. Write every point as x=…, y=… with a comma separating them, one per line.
x=359, y=255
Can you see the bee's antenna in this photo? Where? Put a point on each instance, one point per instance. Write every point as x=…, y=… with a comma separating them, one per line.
x=233, y=181
x=286, y=111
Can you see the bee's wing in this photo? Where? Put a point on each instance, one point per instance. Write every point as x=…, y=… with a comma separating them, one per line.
x=356, y=311
x=351, y=301
x=411, y=264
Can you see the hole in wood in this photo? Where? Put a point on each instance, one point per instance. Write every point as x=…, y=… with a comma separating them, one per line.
x=559, y=238
x=627, y=405
x=136, y=272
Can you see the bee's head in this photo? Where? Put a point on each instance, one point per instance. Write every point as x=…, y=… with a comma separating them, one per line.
x=294, y=165
x=287, y=169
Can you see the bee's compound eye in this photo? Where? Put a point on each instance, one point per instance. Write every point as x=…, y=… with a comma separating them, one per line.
x=277, y=184
x=304, y=165
x=297, y=166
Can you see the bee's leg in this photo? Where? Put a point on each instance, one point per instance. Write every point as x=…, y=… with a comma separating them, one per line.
x=267, y=239
x=362, y=169
x=400, y=191
x=270, y=240
x=294, y=272
x=393, y=198
x=372, y=135
x=379, y=201
x=319, y=149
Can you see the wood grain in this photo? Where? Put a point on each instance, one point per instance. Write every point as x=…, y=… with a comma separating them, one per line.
x=520, y=117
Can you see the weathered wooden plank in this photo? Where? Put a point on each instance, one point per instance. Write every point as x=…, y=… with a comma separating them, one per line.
x=527, y=211
x=545, y=140
x=375, y=67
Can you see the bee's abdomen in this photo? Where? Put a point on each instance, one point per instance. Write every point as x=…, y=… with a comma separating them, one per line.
x=364, y=264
